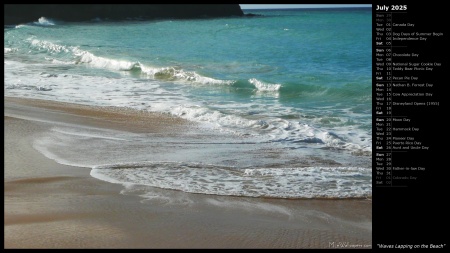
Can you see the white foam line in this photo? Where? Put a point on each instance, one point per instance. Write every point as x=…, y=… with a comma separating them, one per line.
x=41, y=148
x=31, y=118
x=88, y=135
x=307, y=182
x=249, y=206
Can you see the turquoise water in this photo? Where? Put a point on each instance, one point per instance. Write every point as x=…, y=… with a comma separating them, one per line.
x=295, y=78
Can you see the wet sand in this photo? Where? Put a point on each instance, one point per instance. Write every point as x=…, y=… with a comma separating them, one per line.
x=50, y=205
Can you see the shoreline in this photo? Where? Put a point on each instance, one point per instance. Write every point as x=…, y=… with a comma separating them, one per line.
x=50, y=205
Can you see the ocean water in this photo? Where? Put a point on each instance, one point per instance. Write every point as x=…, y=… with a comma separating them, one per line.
x=294, y=81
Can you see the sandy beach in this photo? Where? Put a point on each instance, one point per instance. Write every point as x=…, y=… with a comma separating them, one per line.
x=51, y=205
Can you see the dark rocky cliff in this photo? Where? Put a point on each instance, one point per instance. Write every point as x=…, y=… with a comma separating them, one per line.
x=24, y=13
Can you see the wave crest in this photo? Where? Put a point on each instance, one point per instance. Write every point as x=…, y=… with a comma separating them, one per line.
x=43, y=21
x=262, y=86
x=102, y=62
x=160, y=73
x=175, y=74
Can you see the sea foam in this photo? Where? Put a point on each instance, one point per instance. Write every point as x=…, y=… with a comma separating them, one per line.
x=307, y=182
x=262, y=86
x=43, y=21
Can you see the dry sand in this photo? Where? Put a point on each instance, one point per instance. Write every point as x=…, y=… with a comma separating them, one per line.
x=49, y=205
